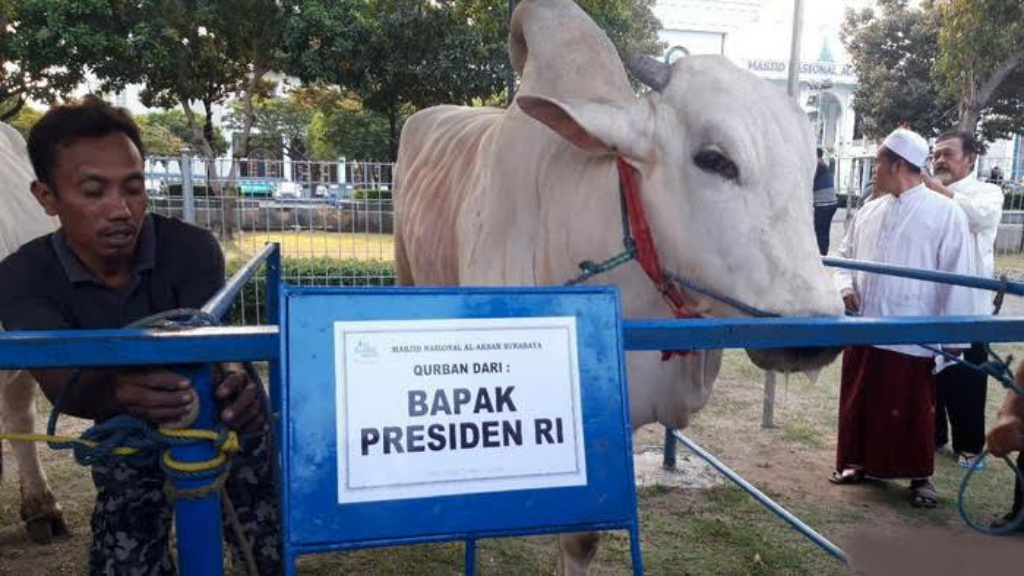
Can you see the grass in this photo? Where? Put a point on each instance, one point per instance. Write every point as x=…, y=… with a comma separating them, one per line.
x=338, y=245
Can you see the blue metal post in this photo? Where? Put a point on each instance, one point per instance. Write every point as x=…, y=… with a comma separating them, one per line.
x=669, y=455
x=470, y=556
x=273, y=296
x=636, y=556
x=779, y=511
x=198, y=520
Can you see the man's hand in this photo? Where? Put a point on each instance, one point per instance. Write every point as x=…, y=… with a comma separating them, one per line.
x=158, y=396
x=238, y=396
x=1006, y=436
x=852, y=301
x=936, y=185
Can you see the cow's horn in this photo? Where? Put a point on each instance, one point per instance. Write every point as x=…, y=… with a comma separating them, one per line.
x=653, y=73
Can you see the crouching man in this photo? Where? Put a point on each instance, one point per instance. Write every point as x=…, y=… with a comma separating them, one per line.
x=108, y=265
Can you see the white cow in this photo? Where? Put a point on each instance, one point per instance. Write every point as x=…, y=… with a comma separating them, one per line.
x=521, y=196
x=21, y=220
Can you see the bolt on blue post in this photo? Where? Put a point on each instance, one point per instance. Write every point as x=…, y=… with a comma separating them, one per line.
x=198, y=520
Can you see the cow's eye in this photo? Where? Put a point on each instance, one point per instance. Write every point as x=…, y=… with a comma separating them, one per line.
x=715, y=162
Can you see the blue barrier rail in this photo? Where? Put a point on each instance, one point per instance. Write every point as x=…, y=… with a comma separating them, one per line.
x=220, y=303
x=1007, y=286
x=68, y=348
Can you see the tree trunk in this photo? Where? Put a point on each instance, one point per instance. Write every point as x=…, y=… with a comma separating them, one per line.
x=978, y=96
x=970, y=113
x=204, y=139
x=393, y=140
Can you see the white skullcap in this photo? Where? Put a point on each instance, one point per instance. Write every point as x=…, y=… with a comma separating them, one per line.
x=909, y=145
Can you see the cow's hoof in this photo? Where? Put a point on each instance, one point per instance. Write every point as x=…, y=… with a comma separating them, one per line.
x=42, y=530
x=43, y=517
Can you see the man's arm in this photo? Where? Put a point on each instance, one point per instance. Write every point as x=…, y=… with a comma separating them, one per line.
x=842, y=277
x=1007, y=434
x=983, y=210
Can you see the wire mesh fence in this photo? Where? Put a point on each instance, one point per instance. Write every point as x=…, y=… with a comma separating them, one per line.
x=333, y=220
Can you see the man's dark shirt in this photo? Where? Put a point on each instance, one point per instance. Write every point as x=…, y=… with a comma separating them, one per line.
x=44, y=286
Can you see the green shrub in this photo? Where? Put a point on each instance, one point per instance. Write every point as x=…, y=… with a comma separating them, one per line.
x=250, y=306
x=372, y=194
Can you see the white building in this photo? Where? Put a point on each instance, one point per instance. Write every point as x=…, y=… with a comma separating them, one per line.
x=755, y=34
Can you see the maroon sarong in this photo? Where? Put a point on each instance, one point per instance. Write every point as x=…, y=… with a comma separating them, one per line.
x=887, y=414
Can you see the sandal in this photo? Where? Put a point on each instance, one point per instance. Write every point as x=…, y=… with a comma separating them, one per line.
x=848, y=476
x=923, y=495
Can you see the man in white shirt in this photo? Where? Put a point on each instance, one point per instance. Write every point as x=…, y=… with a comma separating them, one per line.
x=887, y=398
x=960, y=392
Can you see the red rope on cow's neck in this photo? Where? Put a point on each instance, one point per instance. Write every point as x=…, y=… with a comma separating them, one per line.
x=647, y=252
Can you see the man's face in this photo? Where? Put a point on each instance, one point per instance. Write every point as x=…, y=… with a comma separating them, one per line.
x=950, y=162
x=883, y=173
x=98, y=192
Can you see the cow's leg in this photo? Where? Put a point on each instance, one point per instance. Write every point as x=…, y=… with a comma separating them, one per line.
x=578, y=551
x=39, y=509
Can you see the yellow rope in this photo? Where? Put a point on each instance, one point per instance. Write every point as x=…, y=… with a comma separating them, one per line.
x=231, y=444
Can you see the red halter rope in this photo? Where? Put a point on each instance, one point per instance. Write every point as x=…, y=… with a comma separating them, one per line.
x=646, y=251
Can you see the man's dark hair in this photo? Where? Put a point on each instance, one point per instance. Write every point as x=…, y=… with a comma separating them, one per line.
x=893, y=157
x=821, y=153
x=967, y=141
x=90, y=117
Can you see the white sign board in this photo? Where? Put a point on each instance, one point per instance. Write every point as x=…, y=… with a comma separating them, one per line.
x=444, y=407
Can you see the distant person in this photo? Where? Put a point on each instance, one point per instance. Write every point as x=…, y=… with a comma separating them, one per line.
x=887, y=394
x=961, y=392
x=825, y=203
x=996, y=175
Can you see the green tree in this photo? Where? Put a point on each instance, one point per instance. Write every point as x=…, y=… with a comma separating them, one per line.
x=157, y=138
x=185, y=53
x=25, y=119
x=398, y=56
x=280, y=121
x=167, y=124
x=981, y=63
x=350, y=131
x=894, y=50
x=33, y=60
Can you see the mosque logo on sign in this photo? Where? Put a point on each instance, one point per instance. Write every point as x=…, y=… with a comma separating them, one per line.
x=366, y=352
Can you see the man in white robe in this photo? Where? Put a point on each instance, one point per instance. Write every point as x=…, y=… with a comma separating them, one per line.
x=961, y=392
x=887, y=399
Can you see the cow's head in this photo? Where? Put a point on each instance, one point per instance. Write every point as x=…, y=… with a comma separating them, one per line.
x=726, y=163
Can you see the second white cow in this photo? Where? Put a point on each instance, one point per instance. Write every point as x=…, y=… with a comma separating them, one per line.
x=21, y=220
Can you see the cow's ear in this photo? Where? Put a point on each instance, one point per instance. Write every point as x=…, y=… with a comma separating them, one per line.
x=624, y=128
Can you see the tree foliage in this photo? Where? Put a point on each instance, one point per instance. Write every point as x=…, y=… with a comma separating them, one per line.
x=171, y=132
x=954, y=63
x=400, y=55
x=24, y=120
x=894, y=51
x=981, y=63
x=33, y=59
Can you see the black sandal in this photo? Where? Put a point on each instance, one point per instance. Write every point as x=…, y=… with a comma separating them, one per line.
x=923, y=495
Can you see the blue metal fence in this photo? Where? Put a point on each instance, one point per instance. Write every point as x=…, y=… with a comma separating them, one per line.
x=205, y=345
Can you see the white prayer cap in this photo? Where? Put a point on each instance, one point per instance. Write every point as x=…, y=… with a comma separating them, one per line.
x=909, y=145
